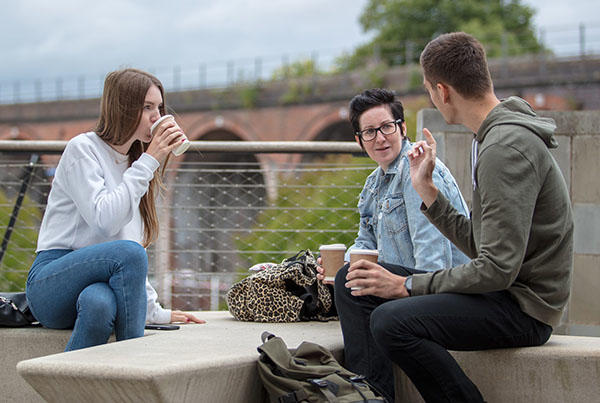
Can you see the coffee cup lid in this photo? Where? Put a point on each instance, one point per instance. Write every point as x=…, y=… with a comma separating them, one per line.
x=365, y=251
x=158, y=121
x=335, y=246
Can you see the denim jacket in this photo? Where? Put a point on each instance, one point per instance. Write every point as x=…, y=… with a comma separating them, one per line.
x=392, y=223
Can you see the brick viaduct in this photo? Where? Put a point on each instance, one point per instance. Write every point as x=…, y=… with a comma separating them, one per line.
x=313, y=108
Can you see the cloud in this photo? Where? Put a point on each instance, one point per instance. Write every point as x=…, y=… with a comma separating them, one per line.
x=70, y=38
x=80, y=38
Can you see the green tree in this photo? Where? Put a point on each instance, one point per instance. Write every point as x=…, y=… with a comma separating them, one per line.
x=298, y=69
x=20, y=252
x=297, y=76
x=402, y=28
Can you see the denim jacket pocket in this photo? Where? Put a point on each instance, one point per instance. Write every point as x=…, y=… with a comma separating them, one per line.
x=394, y=215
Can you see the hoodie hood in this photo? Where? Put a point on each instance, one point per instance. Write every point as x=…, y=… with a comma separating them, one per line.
x=516, y=111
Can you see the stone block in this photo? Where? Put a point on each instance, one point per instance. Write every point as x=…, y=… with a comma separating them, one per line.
x=585, y=186
x=22, y=344
x=215, y=362
x=583, y=305
x=562, y=155
x=565, y=369
x=458, y=160
x=434, y=121
x=587, y=228
x=571, y=123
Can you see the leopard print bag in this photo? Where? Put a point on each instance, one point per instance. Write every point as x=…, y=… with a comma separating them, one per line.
x=287, y=292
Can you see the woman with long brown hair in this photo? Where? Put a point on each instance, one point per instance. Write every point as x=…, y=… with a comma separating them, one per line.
x=90, y=272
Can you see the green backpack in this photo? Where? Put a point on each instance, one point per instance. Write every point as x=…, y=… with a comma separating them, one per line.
x=308, y=373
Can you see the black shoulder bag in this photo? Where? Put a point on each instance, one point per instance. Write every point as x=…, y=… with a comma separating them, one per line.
x=14, y=310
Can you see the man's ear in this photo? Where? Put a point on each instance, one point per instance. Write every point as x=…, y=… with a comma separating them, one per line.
x=444, y=92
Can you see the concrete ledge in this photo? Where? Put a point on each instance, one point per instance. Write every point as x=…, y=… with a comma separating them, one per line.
x=21, y=344
x=215, y=362
x=565, y=369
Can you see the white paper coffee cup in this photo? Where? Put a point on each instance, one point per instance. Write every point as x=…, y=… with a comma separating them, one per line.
x=185, y=144
x=332, y=259
x=368, y=254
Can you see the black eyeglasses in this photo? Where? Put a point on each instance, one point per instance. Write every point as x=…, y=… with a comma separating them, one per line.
x=386, y=129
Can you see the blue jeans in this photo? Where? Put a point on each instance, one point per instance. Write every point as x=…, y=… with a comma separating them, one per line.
x=94, y=290
x=416, y=333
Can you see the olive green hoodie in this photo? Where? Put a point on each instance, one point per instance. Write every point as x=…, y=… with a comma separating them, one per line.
x=520, y=235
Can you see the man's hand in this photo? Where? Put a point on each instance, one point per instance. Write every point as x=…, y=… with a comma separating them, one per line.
x=422, y=163
x=375, y=280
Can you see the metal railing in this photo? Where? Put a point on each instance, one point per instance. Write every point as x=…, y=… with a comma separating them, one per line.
x=228, y=206
x=562, y=40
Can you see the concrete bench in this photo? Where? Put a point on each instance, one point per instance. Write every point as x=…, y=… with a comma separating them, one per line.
x=216, y=362
x=565, y=369
x=17, y=344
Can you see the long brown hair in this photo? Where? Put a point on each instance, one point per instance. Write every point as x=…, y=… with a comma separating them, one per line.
x=120, y=113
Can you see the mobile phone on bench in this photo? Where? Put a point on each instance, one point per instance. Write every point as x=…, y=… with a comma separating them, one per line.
x=162, y=327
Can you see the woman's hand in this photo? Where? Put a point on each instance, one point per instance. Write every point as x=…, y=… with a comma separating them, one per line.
x=184, y=317
x=167, y=137
x=321, y=273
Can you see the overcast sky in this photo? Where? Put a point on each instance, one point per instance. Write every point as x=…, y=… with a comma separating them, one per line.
x=69, y=38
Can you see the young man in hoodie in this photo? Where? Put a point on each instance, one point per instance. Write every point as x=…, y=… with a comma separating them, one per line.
x=519, y=235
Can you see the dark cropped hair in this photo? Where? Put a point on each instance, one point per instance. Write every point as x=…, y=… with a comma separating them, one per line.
x=457, y=59
x=371, y=98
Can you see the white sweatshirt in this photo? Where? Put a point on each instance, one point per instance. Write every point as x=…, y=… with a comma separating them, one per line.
x=95, y=198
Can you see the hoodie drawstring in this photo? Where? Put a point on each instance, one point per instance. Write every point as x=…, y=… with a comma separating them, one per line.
x=474, y=151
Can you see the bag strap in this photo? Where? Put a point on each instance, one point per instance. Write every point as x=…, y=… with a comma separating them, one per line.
x=299, y=257
x=361, y=380
x=326, y=387
x=296, y=396
x=355, y=381
x=266, y=336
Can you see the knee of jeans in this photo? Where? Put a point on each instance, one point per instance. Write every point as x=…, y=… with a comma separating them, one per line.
x=98, y=301
x=387, y=325
x=135, y=257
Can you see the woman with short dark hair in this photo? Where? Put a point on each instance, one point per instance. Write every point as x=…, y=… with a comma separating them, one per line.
x=392, y=223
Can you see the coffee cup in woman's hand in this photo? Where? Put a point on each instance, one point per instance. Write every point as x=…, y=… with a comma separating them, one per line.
x=185, y=144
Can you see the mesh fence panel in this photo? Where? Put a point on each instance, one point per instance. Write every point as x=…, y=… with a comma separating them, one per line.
x=217, y=219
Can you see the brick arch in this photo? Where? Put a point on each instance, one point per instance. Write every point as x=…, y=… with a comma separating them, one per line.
x=206, y=124
x=229, y=123
x=331, y=115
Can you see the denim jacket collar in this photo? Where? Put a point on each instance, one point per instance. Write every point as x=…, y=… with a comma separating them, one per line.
x=395, y=165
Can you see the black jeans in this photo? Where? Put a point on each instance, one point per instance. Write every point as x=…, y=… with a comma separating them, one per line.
x=416, y=332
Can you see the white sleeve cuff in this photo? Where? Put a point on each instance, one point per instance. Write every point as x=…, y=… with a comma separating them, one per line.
x=162, y=316
x=148, y=161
